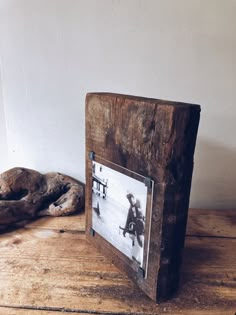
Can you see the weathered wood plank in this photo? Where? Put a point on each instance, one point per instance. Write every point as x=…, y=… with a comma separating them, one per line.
x=25, y=311
x=71, y=223
x=166, y=311
x=45, y=268
x=19, y=311
x=221, y=223
x=30, y=311
x=154, y=138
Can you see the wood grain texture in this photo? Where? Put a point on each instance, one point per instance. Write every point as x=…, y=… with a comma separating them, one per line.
x=13, y=311
x=46, y=269
x=26, y=194
x=219, y=223
x=156, y=139
x=44, y=311
x=30, y=311
x=73, y=223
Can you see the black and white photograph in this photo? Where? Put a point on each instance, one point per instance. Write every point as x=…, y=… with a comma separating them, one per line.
x=119, y=205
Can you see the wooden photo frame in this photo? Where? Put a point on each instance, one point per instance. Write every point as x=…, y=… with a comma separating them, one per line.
x=147, y=142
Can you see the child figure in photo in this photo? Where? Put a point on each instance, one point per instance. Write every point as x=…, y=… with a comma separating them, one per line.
x=135, y=227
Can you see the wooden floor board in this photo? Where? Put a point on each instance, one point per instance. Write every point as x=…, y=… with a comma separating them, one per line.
x=30, y=311
x=16, y=311
x=212, y=223
x=71, y=223
x=45, y=268
x=165, y=310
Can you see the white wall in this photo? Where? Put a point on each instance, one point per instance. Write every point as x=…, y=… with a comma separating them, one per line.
x=3, y=136
x=54, y=51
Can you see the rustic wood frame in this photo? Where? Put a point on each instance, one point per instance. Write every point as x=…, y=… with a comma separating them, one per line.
x=166, y=134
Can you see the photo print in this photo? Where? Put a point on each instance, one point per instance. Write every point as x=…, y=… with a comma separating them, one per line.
x=119, y=205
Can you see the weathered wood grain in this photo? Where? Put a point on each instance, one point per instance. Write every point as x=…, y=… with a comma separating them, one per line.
x=165, y=310
x=46, y=268
x=215, y=223
x=25, y=311
x=26, y=194
x=16, y=311
x=156, y=139
x=30, y=311
x=73, y=223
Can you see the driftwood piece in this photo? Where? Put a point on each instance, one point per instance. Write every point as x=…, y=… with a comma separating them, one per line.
x=26, y=194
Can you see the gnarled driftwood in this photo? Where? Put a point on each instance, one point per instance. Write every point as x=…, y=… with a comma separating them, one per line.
x=26, y=194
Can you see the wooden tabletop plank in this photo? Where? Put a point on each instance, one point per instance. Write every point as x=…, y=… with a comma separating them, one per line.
x=30, y=311
x=217, y=223
x=46, y=268
x=20, y=311
x=71, y=223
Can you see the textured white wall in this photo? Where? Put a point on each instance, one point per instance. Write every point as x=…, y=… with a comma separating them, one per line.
x=54, y=51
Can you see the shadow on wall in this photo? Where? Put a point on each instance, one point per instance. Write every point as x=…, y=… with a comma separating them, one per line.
x=214, y=177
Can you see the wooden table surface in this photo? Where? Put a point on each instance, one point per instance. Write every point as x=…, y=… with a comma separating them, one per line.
x=48, y=268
